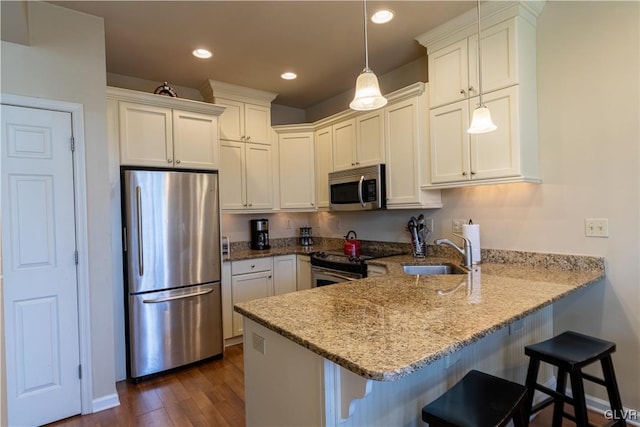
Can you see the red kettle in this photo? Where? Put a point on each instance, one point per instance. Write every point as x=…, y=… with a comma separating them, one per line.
x=351, y=245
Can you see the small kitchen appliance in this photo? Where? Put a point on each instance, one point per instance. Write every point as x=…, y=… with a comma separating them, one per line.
x=260, y=234
x=351, y=245
x=358, y=189
x=305, y=236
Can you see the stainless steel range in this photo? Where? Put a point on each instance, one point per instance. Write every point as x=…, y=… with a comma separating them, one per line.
x=331, y=267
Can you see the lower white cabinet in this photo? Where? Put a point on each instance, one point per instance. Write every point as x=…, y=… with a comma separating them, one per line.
x=250, y=279
x=304, y=272
x=284, y=274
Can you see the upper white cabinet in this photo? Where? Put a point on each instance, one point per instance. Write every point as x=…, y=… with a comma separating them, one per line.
x=323, y=141
x=509, y=154
x=160, y=131
x=247, y=162
x=406, y=135
x=358, y=141
x=453, y=70
x=296, y=167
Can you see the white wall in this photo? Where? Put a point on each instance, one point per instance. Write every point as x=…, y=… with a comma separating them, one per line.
x=589, y=117
x=66, y=61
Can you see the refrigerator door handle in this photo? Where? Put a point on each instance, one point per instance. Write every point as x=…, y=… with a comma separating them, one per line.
x=193, y=294
x=140, y=237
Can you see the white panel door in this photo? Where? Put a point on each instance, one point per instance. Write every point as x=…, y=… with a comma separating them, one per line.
x=284, y=274
x=258, y=176
x=38, y=246
x=195, y=139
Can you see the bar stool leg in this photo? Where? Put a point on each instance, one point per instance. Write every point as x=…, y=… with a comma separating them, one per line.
x=558, y=405
x=579, y=403
x=612, y=389
x=530, y=383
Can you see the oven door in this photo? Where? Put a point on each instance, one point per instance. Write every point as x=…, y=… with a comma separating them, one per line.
x=324, y=276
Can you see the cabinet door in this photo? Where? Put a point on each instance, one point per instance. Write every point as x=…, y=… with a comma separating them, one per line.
x=195, y=140
x=284, y=274
x=499, y=65
x=257, y=124
x=304, y=272
x=297, y=185
x=497, y=154
x=227, y=301
x=247, y=287
x=232, y=175
x=403, y=155
x=450, y=143
x=232, y=120
x=448, y=74
x=258, y=176
x=344, y=139
x=370, y=139
x=146, y=135
x=324, y=165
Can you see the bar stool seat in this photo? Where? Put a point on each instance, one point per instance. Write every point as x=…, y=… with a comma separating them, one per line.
x=570, y=352
x=478, y=400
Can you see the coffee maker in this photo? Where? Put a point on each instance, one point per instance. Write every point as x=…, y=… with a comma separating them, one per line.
x=260, y=234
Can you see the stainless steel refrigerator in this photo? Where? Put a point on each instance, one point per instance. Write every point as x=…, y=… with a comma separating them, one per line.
x=171, y=234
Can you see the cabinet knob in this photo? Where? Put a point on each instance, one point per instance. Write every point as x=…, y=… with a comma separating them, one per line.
x=464, y=174
x=357, y=163
x=269, y=277
x=463, y=92
x=178, y=161
x=248, y=138
x=311, y=203
x=473, y=173
x=253, y=266
x=353, y=164
x=169, y=161
x=250, y=204
x=471, y=89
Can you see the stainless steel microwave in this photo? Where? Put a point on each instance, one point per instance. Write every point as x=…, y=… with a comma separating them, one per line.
x=359, y=189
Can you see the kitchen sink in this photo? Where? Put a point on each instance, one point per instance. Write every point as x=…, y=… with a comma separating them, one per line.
x=427, y=270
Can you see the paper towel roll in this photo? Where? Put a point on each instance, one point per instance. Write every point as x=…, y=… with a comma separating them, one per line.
x=472, y=232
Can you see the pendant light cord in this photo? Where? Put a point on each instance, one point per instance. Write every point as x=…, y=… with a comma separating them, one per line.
x=366, y=43
x=479, y=55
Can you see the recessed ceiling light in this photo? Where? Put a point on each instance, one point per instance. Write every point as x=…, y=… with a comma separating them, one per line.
x=288, y=75
x=382, y=17
x=202, y=53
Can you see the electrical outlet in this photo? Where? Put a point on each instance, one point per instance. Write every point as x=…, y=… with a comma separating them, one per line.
x=288, y=224
x=258, y=343
x=596, y=227
x=428, y=223
x=456, y=225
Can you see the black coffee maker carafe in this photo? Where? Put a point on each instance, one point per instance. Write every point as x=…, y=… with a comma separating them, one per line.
x=260, y=234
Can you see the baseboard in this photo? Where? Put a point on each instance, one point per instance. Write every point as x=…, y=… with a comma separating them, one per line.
x=105, y=402
x=233, y=341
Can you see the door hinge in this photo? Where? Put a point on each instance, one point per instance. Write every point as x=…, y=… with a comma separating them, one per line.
x=73, y=144
x=80, y=371
x=75, y=255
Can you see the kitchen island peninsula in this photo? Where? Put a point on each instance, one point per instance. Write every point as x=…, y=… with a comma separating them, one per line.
x=374, y=351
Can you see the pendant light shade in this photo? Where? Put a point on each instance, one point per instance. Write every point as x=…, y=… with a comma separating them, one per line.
x=368, y=96
x=481, y=120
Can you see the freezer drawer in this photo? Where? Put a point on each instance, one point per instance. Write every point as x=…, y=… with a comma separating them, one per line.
x=173, y=328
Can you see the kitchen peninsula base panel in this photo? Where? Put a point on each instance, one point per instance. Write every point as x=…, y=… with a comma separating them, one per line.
x=287, y=384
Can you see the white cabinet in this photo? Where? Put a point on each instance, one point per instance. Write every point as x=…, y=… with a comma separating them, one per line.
x=296, y=167
x=304, y=272
x=284, y=274
x=453, y=70
x=245, y=176
x=159, y=131
x=323, y=139
x=246, y=122
x=407, y=142
x=509, y=154
x=250, y=279
x=359, y=141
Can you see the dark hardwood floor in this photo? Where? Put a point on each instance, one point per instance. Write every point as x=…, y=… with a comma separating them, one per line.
x=208, y=394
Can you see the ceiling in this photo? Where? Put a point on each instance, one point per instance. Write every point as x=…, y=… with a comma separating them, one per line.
x=253, y=42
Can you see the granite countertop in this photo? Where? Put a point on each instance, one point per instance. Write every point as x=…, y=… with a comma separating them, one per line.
x=386, y=327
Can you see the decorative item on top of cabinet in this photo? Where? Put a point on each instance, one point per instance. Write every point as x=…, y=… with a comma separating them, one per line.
x=160, y=131
x=296, y=167
x=509, y=154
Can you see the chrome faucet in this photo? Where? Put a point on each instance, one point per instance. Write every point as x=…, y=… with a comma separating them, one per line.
x=466, y=252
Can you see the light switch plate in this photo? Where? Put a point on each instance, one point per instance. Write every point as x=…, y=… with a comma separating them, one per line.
x=456, y=225
x=596, y=227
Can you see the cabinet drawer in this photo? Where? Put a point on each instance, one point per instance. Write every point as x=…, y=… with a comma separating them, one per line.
x=251, y=265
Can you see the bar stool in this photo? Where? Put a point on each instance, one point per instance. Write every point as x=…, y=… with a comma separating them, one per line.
x=478, y=400
x=570, y=352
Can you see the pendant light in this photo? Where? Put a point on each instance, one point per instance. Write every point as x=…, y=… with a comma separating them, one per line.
x=368, y=96
x=481, y=120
